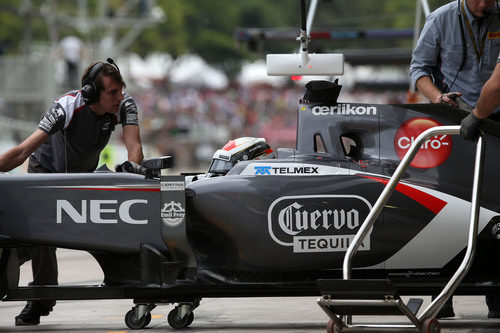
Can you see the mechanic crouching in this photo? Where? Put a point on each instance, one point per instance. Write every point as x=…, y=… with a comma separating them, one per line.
x=69, y=138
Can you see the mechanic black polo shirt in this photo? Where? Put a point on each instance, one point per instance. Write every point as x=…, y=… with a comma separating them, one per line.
x=77, y=135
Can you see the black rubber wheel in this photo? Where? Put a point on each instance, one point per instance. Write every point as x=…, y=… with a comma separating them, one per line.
x=179, y=323
x=132, y=322
x=148, y=319
x=431, y=326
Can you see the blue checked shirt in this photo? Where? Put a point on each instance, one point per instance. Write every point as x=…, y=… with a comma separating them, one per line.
x=438, y=53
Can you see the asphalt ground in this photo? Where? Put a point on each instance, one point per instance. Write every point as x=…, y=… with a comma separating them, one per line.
x=226, y=315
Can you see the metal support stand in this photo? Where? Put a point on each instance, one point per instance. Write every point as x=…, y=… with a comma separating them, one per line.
x=425, y=320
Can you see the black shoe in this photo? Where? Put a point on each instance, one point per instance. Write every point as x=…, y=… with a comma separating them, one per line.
x=31, y=314
x=493, y=314
x=446, y=312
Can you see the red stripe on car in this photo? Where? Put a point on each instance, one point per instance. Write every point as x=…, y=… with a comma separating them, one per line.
x=115, y=189
x=425, y=199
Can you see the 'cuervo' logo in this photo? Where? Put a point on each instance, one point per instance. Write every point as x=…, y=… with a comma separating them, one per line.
x=318, y=223
x=292, y=219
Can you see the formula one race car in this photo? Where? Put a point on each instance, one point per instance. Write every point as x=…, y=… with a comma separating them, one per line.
x=267, y=227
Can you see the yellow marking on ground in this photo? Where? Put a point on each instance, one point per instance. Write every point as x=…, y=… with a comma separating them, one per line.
x=156, y=316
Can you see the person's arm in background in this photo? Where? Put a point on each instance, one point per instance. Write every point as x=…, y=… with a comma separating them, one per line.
x=131, y=132
x=17, y=155
x=426, y=86
x=490, y=95
x=132, y=138
x=52, y=121
x=488, y=101
x=425, y=59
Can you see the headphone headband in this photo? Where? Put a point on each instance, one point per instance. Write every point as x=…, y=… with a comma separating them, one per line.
x=89, y=90
x=93, y=73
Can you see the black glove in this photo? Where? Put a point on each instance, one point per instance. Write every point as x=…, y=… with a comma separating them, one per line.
x=131, y=167
x=470, y=126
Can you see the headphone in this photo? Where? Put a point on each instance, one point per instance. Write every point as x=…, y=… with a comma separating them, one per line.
x=90, y=93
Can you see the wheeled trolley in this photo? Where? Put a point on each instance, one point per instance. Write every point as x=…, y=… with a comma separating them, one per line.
x=344, y=298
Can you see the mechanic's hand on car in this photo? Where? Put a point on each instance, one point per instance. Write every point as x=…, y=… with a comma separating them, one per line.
x=131, y=167
x=448, y=98
x=470, y=126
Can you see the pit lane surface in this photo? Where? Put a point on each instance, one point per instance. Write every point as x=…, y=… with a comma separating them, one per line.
x=280, y=314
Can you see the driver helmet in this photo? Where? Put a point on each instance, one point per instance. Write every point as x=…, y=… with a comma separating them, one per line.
x=241, y=149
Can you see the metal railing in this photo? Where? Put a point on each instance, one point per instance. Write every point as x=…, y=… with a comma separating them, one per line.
x=455, y=280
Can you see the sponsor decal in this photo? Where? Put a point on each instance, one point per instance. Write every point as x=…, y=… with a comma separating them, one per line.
x=50, y=118
x=172, y=186
x=172, y=213
x=292, y=169
x=493, y=34
x=345, y=109
x=262, y=170
x=270, y=170
x=318, y=223
x=98, y=211
x=433, y=151
x=106, y=124
x=409, y=274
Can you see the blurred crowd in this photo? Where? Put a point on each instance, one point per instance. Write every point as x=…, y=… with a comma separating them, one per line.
x=191, y=123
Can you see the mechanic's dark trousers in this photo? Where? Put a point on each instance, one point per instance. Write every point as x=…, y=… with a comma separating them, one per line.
x=44, y=266
x=493, y=302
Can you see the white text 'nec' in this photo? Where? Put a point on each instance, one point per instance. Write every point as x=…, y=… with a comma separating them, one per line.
x=96, y=208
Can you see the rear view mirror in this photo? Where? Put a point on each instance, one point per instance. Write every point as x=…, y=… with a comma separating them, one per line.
x=305, y=64
x=158, y=163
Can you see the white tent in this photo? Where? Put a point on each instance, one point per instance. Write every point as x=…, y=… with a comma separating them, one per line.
x=193, y=70
x=256, y=72
x=154, y=67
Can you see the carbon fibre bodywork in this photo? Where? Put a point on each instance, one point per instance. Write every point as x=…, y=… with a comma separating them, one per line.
x=273, y=227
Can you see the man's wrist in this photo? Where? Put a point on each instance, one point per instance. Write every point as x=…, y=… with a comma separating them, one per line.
x=439, y=98
x=475, y=114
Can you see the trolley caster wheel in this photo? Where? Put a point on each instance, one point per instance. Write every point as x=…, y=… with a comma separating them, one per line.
x=332, y=328
x=148, y=319
x=137, y=323
x=431, y=326
x=179, y=323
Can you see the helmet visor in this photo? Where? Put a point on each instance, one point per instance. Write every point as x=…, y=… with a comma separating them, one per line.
x=220, y=166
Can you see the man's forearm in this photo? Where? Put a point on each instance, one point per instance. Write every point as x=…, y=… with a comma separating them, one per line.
x=17, y=155
x=12, y=159
x=490, y=96
x=425, y=85
x=135, y=154
x=132, y=137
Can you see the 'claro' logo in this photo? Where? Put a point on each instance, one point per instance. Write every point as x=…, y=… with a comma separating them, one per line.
x=433, y=152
